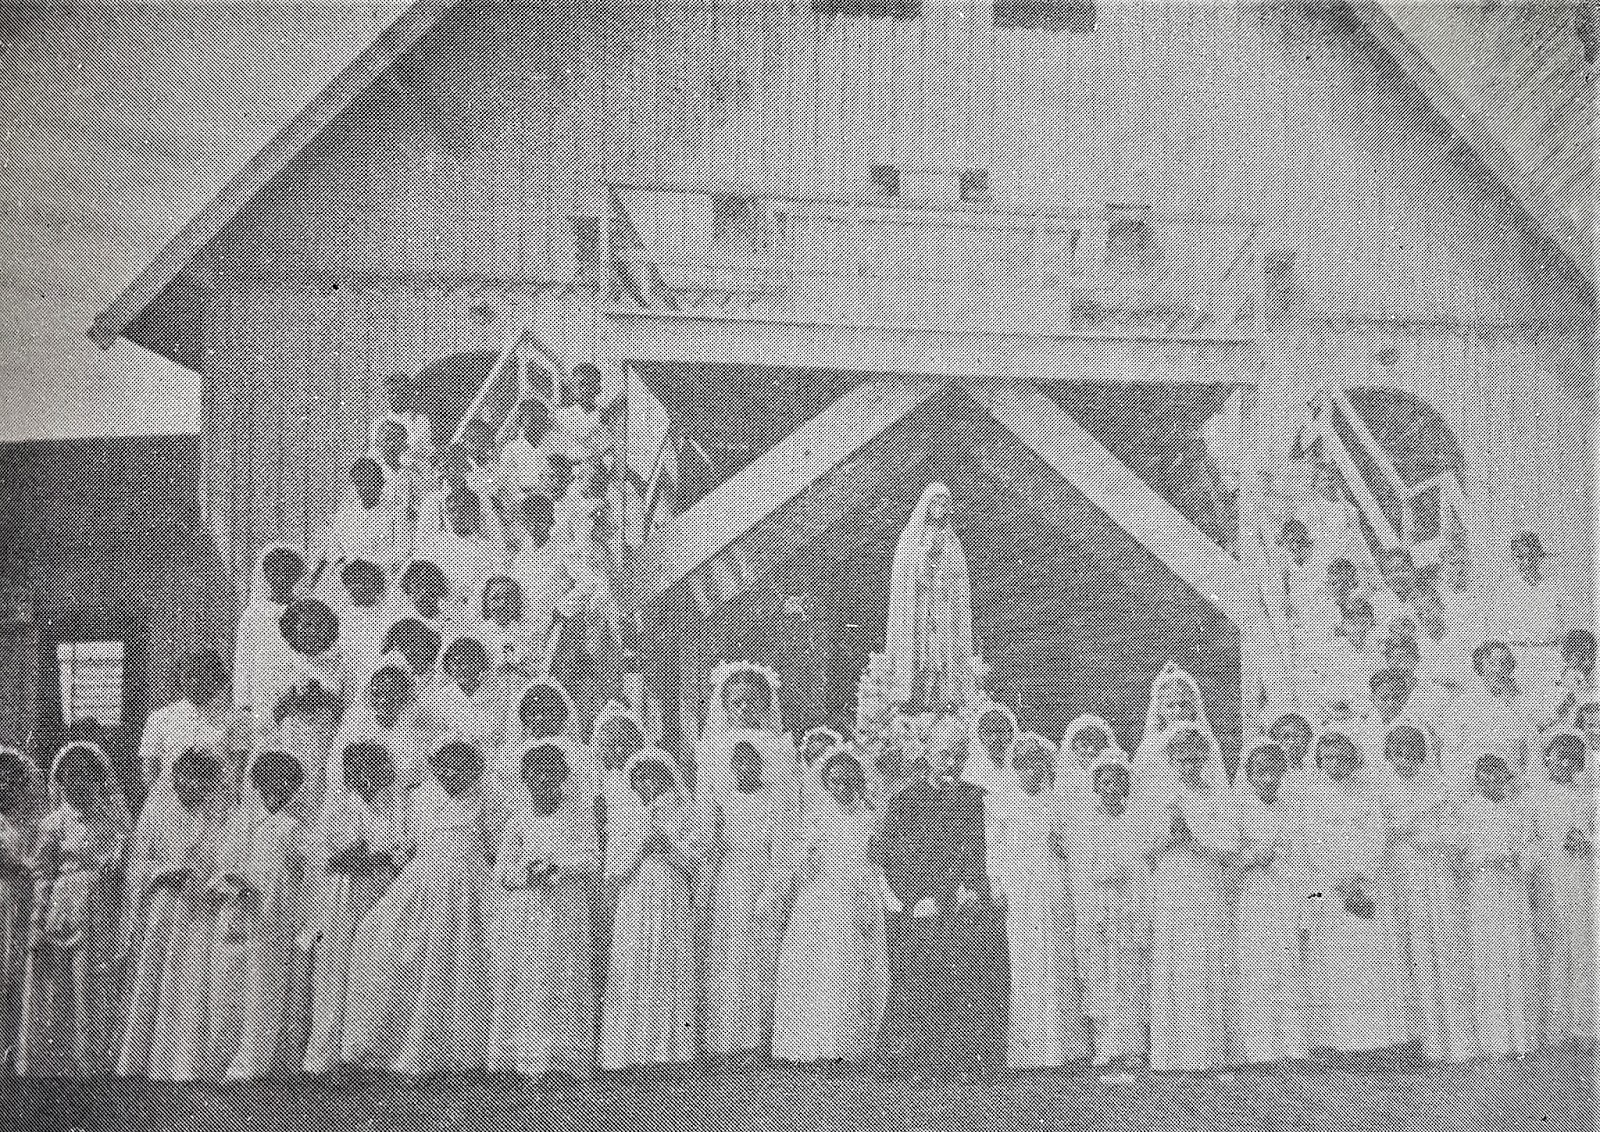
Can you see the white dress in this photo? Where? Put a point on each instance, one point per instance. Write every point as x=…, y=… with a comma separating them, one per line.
x=1267, y=1004
x=1110, y=882
x=832, y=982
x=1188, y=957
x=544, y=989
x=421, y=976
x=345, y=900
x=1423, y=902
x=171, y=731
x=1352, y=967
x=745, y=842
x=166, y=1035
x=1566, y=923
x=648, y=1014
x=1529, y=618
x=1043, y=1030
x=65, y=1011
x=1497, y=839
x=263, y=663
x=378, y=534
x=255, y=960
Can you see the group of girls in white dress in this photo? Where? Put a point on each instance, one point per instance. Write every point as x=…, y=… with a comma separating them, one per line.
x=403, y=846
x=439, y=913
x=1440, y=739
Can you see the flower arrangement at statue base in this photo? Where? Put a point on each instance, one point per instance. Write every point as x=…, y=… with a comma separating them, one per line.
x=896, y=733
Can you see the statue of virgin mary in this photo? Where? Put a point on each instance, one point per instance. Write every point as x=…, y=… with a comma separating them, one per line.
x=930, y=612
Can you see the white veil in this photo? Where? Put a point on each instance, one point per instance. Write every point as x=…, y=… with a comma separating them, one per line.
x=907, y=595
x=711, y=757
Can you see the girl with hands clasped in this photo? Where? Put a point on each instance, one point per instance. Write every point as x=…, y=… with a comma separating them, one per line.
x=1498, y=836
x=357, y=853
x=1563, y=801
x=166, y=1032
x=545, y=874
x=421, y=980
x=1352, y=964
x=1189, y=843
x=1268, y=1013
x=66, y=985
x=648, y=1014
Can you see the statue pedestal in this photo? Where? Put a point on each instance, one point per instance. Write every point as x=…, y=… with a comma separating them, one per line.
x=912, y=729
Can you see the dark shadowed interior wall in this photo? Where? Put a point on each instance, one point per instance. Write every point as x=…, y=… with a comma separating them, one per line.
x=103, y=537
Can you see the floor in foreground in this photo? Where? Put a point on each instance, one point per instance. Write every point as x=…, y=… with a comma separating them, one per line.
x=1549, y=1092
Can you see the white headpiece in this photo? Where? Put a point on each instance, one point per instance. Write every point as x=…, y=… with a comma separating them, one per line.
x=722, y=676
x=1163, y=751
x=1092, y=722
x=1332, y=731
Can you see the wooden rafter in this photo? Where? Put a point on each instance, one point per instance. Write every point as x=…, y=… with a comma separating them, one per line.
x=1558, y=225
x=852, y=421
x=1064, y=444
x=259, y=171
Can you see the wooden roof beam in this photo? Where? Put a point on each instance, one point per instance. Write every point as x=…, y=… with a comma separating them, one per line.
x=1557, y=225
x=778, y=475
x=1059, y=440
x=366, y=69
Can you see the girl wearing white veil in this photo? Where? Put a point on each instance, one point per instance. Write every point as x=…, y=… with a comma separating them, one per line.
x=67, y=992
x=832, y=981
x=1421, y=896
x=166, y=1033
x=1110, y=878
x=744, y=697
x=1084, y=745
x=1561, y=801
x=1266, y=1006
x=745, y=810
x=1028, y=868
x=1174, y=699
x=261, y=886
x=647, y=1017
x=1352, y=966
x=930, y=611
x=1190, y=835
x=545, y=871
x=1174, y=702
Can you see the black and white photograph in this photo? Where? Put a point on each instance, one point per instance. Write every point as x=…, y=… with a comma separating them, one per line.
x=798, y=565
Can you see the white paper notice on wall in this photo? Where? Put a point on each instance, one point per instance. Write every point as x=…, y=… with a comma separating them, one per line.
x=91, y=681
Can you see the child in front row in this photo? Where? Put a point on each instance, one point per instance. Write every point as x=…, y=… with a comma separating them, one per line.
x=1563, y=830
x=357, y=853
x=166, y=1035
x=1109, y=879
x=255, y=962
x=1496, y=834
x=648, y=1013
x=421, y=989
x=546, y=869
x=65, y=991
